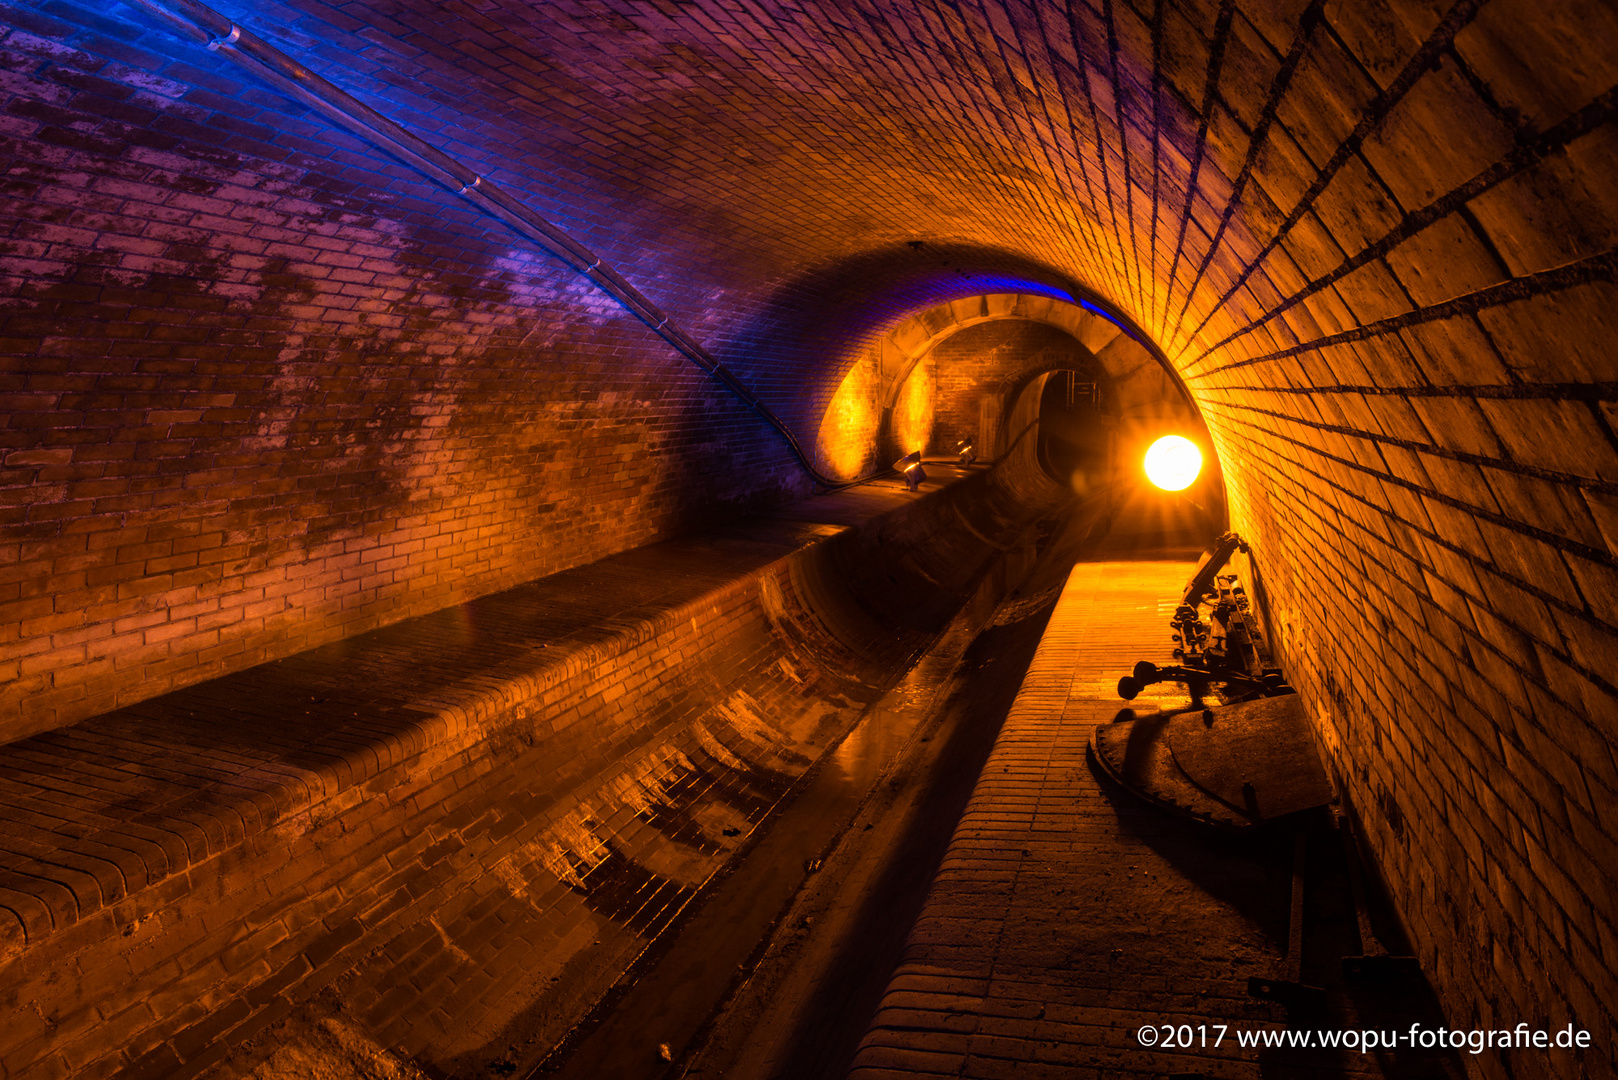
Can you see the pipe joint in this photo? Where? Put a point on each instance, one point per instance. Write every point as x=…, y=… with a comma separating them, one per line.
x=235, y=35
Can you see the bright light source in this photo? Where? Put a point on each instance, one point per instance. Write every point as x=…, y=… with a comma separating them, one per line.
x=910, y=470
x=1173, y=463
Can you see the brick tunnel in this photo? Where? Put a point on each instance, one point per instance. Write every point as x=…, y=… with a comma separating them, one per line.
x=440, y=539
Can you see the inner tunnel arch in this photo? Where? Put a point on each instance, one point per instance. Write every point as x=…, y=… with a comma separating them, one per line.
x=894, y=392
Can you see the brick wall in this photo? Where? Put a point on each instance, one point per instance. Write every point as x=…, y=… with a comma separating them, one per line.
x=1392, y=344
x=961, y=364
x=478, y=847
x=262, y=390
x=1374, y=238
x=998, y=357
x=846, y=444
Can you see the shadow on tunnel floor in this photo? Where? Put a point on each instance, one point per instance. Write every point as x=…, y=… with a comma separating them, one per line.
x=1252, y=874
x=828, y=1032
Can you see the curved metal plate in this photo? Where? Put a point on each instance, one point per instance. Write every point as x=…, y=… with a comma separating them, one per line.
x=1258, y=756
x=1235, y=766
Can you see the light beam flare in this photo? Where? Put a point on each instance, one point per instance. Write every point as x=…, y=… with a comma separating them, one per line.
x=1173, y=463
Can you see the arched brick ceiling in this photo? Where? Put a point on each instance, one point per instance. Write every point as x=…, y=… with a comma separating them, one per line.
x=764, y=149
x=1375, y=239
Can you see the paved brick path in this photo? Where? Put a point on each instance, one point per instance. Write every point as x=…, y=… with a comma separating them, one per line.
x=1067, y=914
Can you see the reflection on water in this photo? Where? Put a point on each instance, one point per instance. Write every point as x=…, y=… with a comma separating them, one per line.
x=853, y=757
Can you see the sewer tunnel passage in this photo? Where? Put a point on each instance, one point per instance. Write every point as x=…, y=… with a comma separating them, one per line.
x=482, y=835
x=269, y=390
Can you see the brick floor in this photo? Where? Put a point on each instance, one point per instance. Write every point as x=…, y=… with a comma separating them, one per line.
x=1067, y=914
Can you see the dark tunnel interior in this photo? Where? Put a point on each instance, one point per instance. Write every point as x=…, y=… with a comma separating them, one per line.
x=617, y=538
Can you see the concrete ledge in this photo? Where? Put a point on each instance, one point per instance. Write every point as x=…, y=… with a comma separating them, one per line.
x=473, y=820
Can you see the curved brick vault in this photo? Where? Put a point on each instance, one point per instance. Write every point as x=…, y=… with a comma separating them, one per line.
x=953, y=372
x=266, y=388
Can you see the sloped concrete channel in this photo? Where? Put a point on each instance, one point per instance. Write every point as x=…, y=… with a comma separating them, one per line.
x=778, y=973
x=435, y=848
x=727, y=810
x=908, y=571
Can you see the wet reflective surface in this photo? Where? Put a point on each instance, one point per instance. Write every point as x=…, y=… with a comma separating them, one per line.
x=946, y=710
x=816, y=988
x=780, y=966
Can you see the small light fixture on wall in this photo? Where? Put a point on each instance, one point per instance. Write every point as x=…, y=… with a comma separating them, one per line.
x=910, y=470
x=967, y=451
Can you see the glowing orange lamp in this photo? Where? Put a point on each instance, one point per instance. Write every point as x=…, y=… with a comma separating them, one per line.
x=1173, y=463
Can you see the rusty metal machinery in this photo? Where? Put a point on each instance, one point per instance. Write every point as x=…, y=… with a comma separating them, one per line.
x=1244, y=760
x=1219, y=637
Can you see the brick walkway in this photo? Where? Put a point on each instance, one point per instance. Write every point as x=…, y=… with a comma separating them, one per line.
x=1068, y=914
